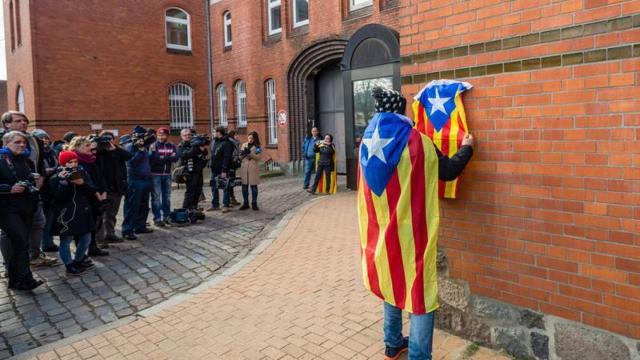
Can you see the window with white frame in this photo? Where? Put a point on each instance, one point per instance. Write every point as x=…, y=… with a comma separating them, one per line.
x=20, y=99
x=300, y=12
x=241, y=103
x=178, y=29
x=222, y=106
x=273, y=14
x=181, y=106
x=359, y=4
x=227, y=28
x=272, y=126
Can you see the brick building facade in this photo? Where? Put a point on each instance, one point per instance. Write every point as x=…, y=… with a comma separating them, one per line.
x=547, y=223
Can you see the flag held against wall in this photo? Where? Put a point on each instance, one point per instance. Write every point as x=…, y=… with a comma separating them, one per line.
x=439, y=113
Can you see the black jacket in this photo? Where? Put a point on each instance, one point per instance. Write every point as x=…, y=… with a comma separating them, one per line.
x=450, y=168
x=14, y=169
x=326, y=154
x=222, y=155
x=194, y=158
x=95, y=177
x=71, y=206
x=113, y=166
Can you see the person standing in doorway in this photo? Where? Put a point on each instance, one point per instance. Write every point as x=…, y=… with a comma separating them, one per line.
x=309, y=154
x=326, y=164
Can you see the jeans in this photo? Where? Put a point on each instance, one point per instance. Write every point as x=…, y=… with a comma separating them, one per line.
x=136, y=205
x=420, y=334
x=326, y=169
x=194, y=190
x=254, y=194
x=15, y=246
x=161, y=197
x=309, y=165
x=81, y=248
x=109, y=214
x=215, y=202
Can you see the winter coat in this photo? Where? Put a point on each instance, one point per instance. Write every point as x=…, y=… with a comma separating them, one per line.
x=13, y=169
x=250, y=168
x=326, y=154
x=221, y=156
x=308, y=148
x=113, y=166
x=192, y=157
x=71, y=208
x=94, y=178
x=138, y=167
x=163, y=157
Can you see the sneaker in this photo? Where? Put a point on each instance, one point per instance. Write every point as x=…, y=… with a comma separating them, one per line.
x=145, y=230
x=74, y=270
x=52, y=248
x=129, y=236
x=393, y=353
x=43, y=260
x=226, y=210
x=113, y=239
x=159, y=223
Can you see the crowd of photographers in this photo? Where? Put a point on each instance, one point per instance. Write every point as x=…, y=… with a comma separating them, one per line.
x=73, y=188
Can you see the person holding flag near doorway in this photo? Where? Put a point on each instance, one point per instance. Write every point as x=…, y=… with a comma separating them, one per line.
x=399, y=218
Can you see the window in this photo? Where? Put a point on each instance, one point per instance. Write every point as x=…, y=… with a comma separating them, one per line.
x=227, y=28
x=222, y=105
x=11, y=26
x=275, y=25
x=241, y=103
x=300, y=12
x=20, y=99
x=181, y=106
x=178, y=32
x=18, y=29
x=272, y=126
x=358, y=4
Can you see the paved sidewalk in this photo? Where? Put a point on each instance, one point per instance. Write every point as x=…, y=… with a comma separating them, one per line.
x=300, y=298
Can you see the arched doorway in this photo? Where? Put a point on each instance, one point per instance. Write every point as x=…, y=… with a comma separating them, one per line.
x=371, y=58
x=303, y=75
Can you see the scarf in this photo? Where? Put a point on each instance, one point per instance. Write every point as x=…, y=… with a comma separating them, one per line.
x=86, y=159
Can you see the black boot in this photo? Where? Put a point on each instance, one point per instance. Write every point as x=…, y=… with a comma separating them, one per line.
x=94, y=250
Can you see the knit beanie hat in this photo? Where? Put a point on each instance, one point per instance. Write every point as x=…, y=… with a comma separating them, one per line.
x=40, y=134
x=390, y=101
x=66, y=156
x=163, y=130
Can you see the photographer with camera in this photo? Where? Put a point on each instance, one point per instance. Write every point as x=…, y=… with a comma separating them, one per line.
x=19, y=197
x=136, y=203
x=163, y=155
x=86, y=149
x=17, y=121
x=50, y=161
x=193, y=155
x=71, y=196
x=221, y=166
x=251, y=155
x=112, y=162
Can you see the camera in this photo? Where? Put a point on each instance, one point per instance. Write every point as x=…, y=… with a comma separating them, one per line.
x=200, y=140
x=71, y=174
x=28, y=186
x=103, y=142
x=147, y=138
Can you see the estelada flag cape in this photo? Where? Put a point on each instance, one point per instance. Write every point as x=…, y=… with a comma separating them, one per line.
x=439, y=113
x=333, y=186
x=398, y=213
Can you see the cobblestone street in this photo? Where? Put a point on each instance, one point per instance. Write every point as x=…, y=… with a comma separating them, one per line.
x=138, y=274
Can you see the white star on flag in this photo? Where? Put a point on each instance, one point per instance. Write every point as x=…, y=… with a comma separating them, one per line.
x=437, y=103
x=375, y=145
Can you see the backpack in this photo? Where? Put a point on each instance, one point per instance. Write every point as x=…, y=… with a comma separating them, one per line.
x=180, y=217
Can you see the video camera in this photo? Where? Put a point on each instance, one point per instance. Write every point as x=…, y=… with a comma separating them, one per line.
x=104, y=142
x=70, y=173
x=200, y=140
x=144, y=139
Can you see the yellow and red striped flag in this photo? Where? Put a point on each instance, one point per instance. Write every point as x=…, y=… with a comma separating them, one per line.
x=333, y=186
x=398, y=213
x=439, y=113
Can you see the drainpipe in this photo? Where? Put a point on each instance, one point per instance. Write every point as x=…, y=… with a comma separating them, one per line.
x=207, y=14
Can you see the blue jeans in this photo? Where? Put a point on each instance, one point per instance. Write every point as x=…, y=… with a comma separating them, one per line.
x=161, y=197
x=81, y=248
x=254, y=195
x=420, y=334
x=215, y=201
x=309, y=166
x=136, y=205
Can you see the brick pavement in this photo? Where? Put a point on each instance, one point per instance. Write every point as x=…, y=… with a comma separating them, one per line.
x=301, y=297
x=138, y=274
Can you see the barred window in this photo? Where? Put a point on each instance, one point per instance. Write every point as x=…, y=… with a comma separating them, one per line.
x=178, y=31
x=181, y=106
x=222, y=106
x=272, y=126
x=273, y=13
x=227, y=28
x=20, y=99
x=241, y=103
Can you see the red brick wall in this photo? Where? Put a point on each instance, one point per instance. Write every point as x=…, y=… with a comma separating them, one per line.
x=254, y=57
x=549, y=213
x=106, y=62
x=19, y=60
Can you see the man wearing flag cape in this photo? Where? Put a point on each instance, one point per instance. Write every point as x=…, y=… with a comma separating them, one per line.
x=399, y=218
